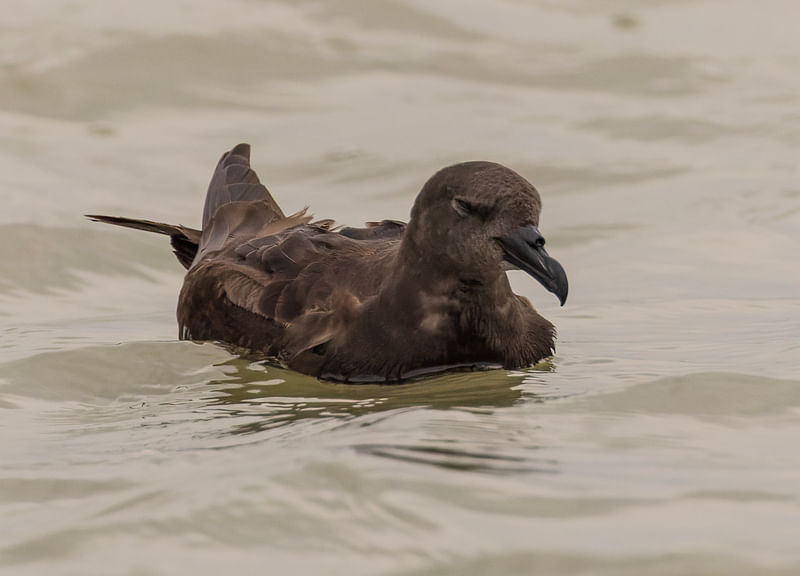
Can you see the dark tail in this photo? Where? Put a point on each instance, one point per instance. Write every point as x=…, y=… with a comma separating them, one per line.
x=184, y=240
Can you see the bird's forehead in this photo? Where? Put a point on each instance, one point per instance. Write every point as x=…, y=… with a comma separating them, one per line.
x=486, y=183
x=504, y=186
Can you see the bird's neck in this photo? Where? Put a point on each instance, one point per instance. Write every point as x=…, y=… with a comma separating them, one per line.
x=472, y=302
x=477, y=311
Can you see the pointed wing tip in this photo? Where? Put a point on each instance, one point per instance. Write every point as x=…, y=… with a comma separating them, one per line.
x=99, y=217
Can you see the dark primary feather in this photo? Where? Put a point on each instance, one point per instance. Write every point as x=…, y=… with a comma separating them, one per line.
x=184, y=240
x=358, y=304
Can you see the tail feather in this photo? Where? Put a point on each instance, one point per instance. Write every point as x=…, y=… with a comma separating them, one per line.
x=184, y=240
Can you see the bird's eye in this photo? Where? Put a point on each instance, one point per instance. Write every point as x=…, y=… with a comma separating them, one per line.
x=463, y=207
x=467, y=208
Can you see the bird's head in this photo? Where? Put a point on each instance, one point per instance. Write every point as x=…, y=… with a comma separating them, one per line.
x=477, y=219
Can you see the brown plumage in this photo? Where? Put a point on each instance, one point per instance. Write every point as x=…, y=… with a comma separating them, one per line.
x=381, y=303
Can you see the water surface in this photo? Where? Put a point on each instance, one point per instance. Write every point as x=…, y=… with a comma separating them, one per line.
x=661, y=439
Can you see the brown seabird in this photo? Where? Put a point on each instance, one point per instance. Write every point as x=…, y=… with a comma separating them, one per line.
x=382, y=303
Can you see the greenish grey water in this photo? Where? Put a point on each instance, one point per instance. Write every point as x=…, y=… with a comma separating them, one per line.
x=662, y=438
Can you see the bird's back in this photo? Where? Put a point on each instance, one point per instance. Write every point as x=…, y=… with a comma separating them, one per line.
x=274, y=284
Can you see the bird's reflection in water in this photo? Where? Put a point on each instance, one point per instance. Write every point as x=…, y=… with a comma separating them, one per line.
x=270, y=397
x=257, y=402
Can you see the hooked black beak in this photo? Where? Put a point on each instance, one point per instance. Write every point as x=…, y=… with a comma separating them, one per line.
x=523, y=248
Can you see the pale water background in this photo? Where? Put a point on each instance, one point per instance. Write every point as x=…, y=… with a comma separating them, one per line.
x=664, y=137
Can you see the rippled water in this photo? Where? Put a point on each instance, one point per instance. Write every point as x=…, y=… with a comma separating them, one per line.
x=662, y=439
